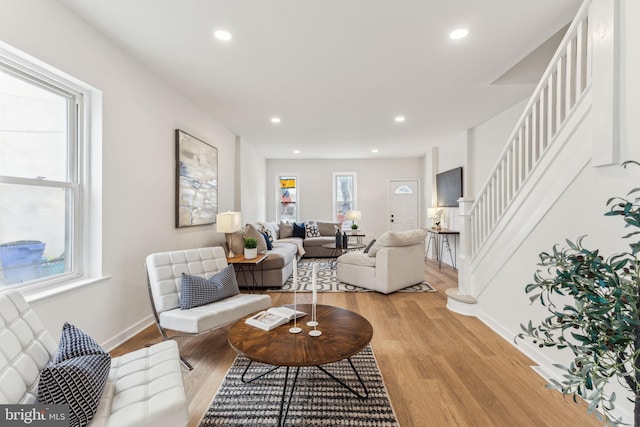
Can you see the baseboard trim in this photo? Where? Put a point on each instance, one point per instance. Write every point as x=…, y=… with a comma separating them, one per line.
x=128, y=333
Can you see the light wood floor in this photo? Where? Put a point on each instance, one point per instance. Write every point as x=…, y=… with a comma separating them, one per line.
x=440, y=368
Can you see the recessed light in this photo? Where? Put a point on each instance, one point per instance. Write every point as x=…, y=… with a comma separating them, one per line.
x=375, y=150
x=296, y=151
x=458, y=34
x=223, y=35
x=399, y=119
x=275, y=120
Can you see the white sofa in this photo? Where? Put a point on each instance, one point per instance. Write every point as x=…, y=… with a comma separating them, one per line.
x=164, y=273
x=144, y=388
x=393, y=262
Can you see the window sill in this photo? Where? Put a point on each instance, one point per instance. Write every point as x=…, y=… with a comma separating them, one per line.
x=45, y=292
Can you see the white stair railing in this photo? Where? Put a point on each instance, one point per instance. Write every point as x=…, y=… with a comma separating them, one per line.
x=561, y=86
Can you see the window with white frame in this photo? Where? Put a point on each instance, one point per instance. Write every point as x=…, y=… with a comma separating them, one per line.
x=344, y=196
x=43, y=219
x=288, y=198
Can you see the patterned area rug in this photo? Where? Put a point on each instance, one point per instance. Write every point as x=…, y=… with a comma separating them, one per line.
x=317, y=400
x=328, y=282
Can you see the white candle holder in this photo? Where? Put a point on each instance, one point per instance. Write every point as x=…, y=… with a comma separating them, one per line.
x=295, y=329
x=314, y=302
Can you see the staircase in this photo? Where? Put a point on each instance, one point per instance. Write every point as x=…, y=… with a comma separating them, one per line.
x=544, y=154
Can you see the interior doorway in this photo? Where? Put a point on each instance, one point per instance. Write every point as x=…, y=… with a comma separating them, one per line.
x=403, y=204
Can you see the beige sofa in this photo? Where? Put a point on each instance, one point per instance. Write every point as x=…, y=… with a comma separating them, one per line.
x=393, y=262
x=276, y=269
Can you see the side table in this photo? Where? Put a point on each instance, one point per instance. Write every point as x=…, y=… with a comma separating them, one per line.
x=244, y=266
x=441, y=237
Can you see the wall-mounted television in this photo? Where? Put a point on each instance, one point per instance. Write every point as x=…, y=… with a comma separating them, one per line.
x=449, y=187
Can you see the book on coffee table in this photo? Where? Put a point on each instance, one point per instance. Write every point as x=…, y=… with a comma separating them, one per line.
x=273, y=317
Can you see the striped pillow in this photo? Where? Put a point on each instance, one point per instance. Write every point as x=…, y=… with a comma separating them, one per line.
x=195, y=290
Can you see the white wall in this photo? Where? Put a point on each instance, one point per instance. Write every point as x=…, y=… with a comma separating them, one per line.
x=488, y=140
x=580, y=211
x=252, y=168
x=140, y=116
x=316, y=191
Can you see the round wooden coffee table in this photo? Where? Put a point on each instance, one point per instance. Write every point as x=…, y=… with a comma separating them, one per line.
x=344, y=334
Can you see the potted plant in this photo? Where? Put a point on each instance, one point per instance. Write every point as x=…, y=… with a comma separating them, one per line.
x=354, y=226
x=594, y=310
x=250, y=248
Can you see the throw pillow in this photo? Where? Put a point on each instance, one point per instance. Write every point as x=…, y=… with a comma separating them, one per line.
x=252, y=231
x=311, y=230
x=77, y=382
x=298, y=230
x=286, y=230
x=366, y=250
x=268, y=240
x=196, y=290
x=267, y=234
x=75, y=343
x=398, y=238
x=328, y=228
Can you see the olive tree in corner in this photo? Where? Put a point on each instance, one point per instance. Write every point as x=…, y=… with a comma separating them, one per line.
x=594, y=307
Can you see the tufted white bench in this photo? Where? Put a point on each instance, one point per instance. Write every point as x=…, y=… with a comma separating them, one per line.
x=164, y=273
x=144, y=387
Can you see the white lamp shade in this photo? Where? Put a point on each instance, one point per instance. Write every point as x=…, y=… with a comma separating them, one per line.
x=228, y=222
x=431, y=212
x=353, y=215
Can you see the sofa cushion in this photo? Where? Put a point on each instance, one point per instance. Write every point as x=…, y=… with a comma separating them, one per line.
x=285, y=230
x=328, y=228
x=398, y=238
x=318, y=241
x=196, y=290
x=311, y=230
x=298, y=230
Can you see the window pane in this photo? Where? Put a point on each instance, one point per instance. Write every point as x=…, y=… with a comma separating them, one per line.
x=32, y=232
x=33, y=130
x=288, y=199
x=344, y=196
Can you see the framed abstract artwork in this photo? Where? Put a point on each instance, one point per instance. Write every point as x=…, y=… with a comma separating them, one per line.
x=196, y=181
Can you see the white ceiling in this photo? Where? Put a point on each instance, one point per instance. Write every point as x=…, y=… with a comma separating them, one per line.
x=338, y=71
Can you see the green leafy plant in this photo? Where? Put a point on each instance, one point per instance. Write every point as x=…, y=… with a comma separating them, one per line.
x=595, y=311
x=354, y=226
x=250, y=243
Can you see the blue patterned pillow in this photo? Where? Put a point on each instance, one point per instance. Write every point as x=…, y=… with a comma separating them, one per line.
x=269, y=242
x=77, y=382
x=195, y=290
x=74, y=343
x=76, y=375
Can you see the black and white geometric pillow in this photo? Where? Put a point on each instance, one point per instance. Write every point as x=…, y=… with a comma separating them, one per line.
x=196, y=290
x=74, y=343
x=77, y=382
x=264, y=230
x=311, y=230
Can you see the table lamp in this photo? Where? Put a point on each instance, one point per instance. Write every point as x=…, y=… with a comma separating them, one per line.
x=353, y=216
x=228, y=222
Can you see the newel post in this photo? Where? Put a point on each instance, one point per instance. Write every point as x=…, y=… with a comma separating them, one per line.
x=460, y=299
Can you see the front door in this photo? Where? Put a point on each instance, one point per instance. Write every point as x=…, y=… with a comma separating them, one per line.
x=403, y=205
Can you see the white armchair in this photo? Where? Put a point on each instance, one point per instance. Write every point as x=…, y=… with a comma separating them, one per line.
x=394, y=261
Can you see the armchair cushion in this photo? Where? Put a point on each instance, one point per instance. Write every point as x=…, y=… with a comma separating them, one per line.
x=196, y=291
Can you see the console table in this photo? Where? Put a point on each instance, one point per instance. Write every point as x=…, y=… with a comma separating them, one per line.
x=440, y=236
